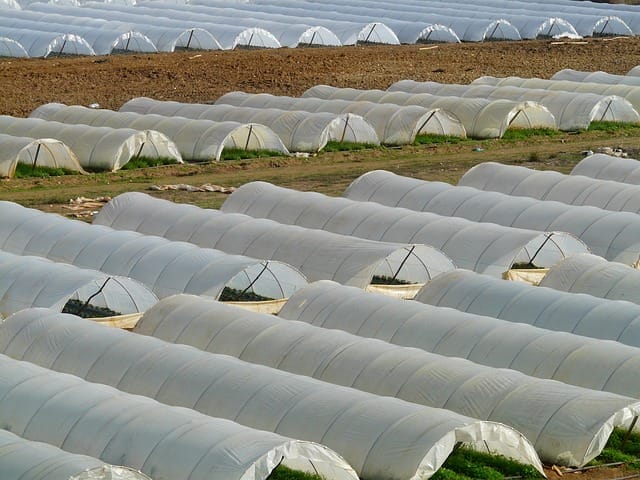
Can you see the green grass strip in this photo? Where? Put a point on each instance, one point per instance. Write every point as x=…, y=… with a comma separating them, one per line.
x=466, y=464
x=27, y=171
x=346, y=146
x=240, y=154
x=145, y=162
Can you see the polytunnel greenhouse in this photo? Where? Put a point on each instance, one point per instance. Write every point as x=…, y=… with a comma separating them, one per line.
x=394, y=124
x=467, y=28
x=97, y=148
x=480, y=117
x=162, y=441
x=11, y=48
x=484, y=248
x=629, y=92
x=27, y=281
x=165, y=267
x=608, y=167
x=26, y=460
x=166, y=35
x=394, y=439
x=40, y=44
x=613, y=235
x=634, y=72
x=10, y=4
x=543, y=307
x=44, y=152
x=104, y=38
x=289, y=34
x=566, y=357
x=595, y=276
x=299, y=131
x=194, y=139
x=572, y=111
x=595, y=77
x=350, y=30
x=411, y=374
x=551, y=185
x=317, y=254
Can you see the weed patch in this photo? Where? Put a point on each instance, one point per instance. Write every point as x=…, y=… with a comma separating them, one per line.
x=27, y=171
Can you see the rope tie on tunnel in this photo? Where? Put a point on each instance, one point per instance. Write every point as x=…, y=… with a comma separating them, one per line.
x=246, y=145
x=35, y=158
x=413, y=247
x=344, y=130
x=606, y=110
x=266, y=264
x=546, y=239
x=86, y=303
x=373, y=27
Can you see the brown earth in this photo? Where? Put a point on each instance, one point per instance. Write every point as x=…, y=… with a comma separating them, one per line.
x=203, y=76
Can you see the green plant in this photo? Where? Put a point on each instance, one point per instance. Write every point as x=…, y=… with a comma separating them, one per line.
x=285, y=473
x=79, y=308
x=239, y=154
x=429, y=139
x=145, y=162
x=234, y=295
x=466, y=464
x=335, y=146
x=28, y=171
x=385, y=280
x=613, y=127
x=525, y=133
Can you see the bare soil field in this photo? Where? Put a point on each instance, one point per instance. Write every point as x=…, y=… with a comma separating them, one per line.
x=203, y=76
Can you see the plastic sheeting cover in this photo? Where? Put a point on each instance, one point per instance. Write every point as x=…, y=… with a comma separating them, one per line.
x=595, y=77
x=613, y=235
x=394, y=124
x=480, y=117
x=572, y=110
x=551, y=185
x=45, y=152
x=317, y=254
x=300, y=131
x=165, y=267
x=11, y=48
x=608, y=167
x=20, y=458
x=97, y=148
x=194, y=139
x=486, y=248
x=505, y=396
x=543, y=307
x=37, y=282
x=595, y=276
x=393, y=439
x=583, y=361
x=163, y=441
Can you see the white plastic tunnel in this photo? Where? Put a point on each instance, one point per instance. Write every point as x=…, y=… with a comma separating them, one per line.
x=26, y=460
x=609, y=167
x=43, y=152
x=381, y=437
x=317, y=254
x=162, y=441
x=595, y=276
x=613, y=235
x=480, y=117
x=551, y=185
x=543, y=307
x=11, y=48
x=300, y=131
x=194, y=139
x=595, y=77
x=629, y=92
x=411, y=374
x=165, y=267
x=39, y=44
x=572, y=111
x=97, y=148
x=27, y=281
x=591, y=363
x=486, y=248
x=394, y=124
x=104, y=38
